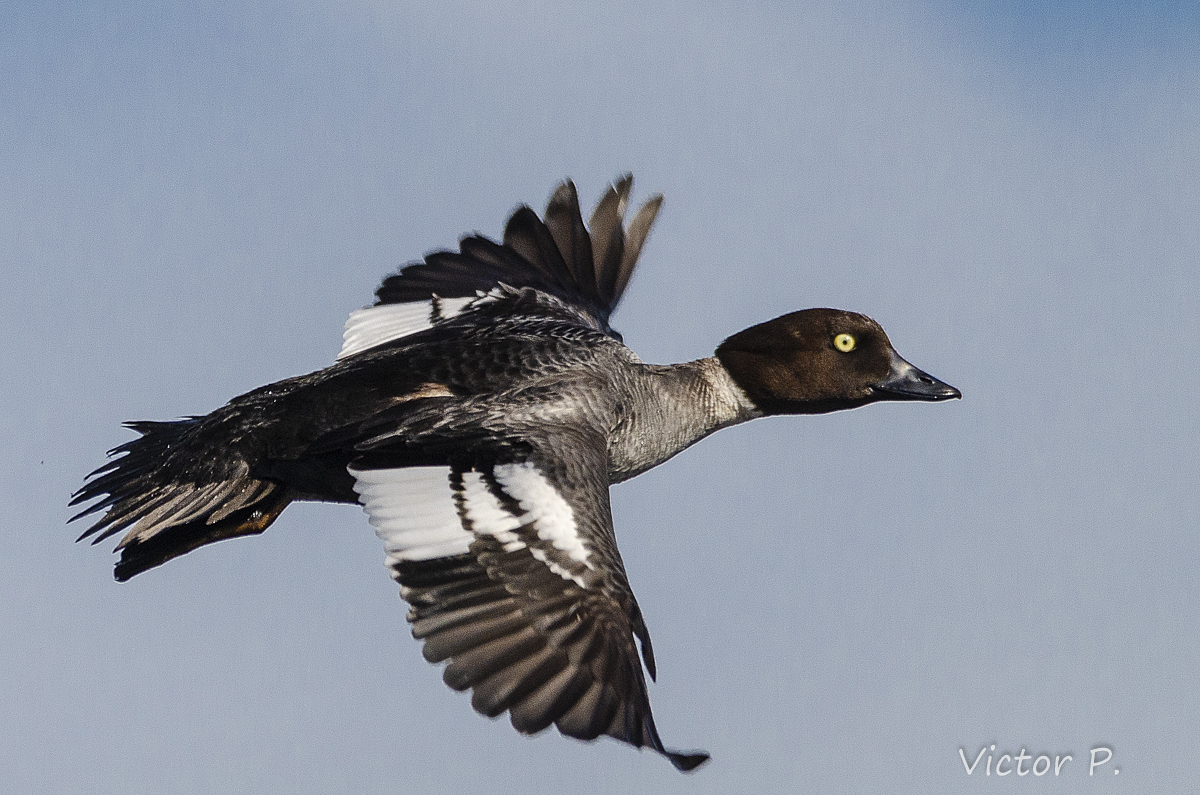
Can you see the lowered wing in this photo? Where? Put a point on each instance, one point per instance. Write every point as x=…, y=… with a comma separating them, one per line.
x=505, y=550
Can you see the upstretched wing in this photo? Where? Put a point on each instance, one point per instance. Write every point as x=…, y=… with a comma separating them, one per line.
x=506, y=553
x=558, y=255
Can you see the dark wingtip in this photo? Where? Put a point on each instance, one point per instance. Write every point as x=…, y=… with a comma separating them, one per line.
x=688, y=762
x=683, y=761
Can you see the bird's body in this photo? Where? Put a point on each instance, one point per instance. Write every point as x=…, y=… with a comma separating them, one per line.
x=479, y=412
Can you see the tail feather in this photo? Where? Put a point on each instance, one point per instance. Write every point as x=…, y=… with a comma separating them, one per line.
x=173, y=489
x=171, y=542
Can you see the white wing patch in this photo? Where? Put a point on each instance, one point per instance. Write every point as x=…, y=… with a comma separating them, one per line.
x=544, y=507
x=375, y=325
x=413, y=512
x=486, y=515
x=416, y=513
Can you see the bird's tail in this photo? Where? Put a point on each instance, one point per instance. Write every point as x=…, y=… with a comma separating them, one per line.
x=178, y=486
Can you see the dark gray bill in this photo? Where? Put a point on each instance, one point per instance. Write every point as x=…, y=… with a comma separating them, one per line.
x=905, y=382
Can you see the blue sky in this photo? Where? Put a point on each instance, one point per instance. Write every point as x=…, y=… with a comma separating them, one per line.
x=194, y=196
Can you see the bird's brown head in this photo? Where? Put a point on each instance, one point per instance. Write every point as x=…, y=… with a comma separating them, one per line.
x=821, y=360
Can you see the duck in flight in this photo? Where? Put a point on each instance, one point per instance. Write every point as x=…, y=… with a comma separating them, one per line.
x=479, y=412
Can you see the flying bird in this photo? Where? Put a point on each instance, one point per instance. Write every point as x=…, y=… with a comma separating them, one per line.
x=479, y=412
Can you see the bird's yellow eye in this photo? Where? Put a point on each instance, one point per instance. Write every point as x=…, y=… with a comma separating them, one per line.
x=844, y=343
